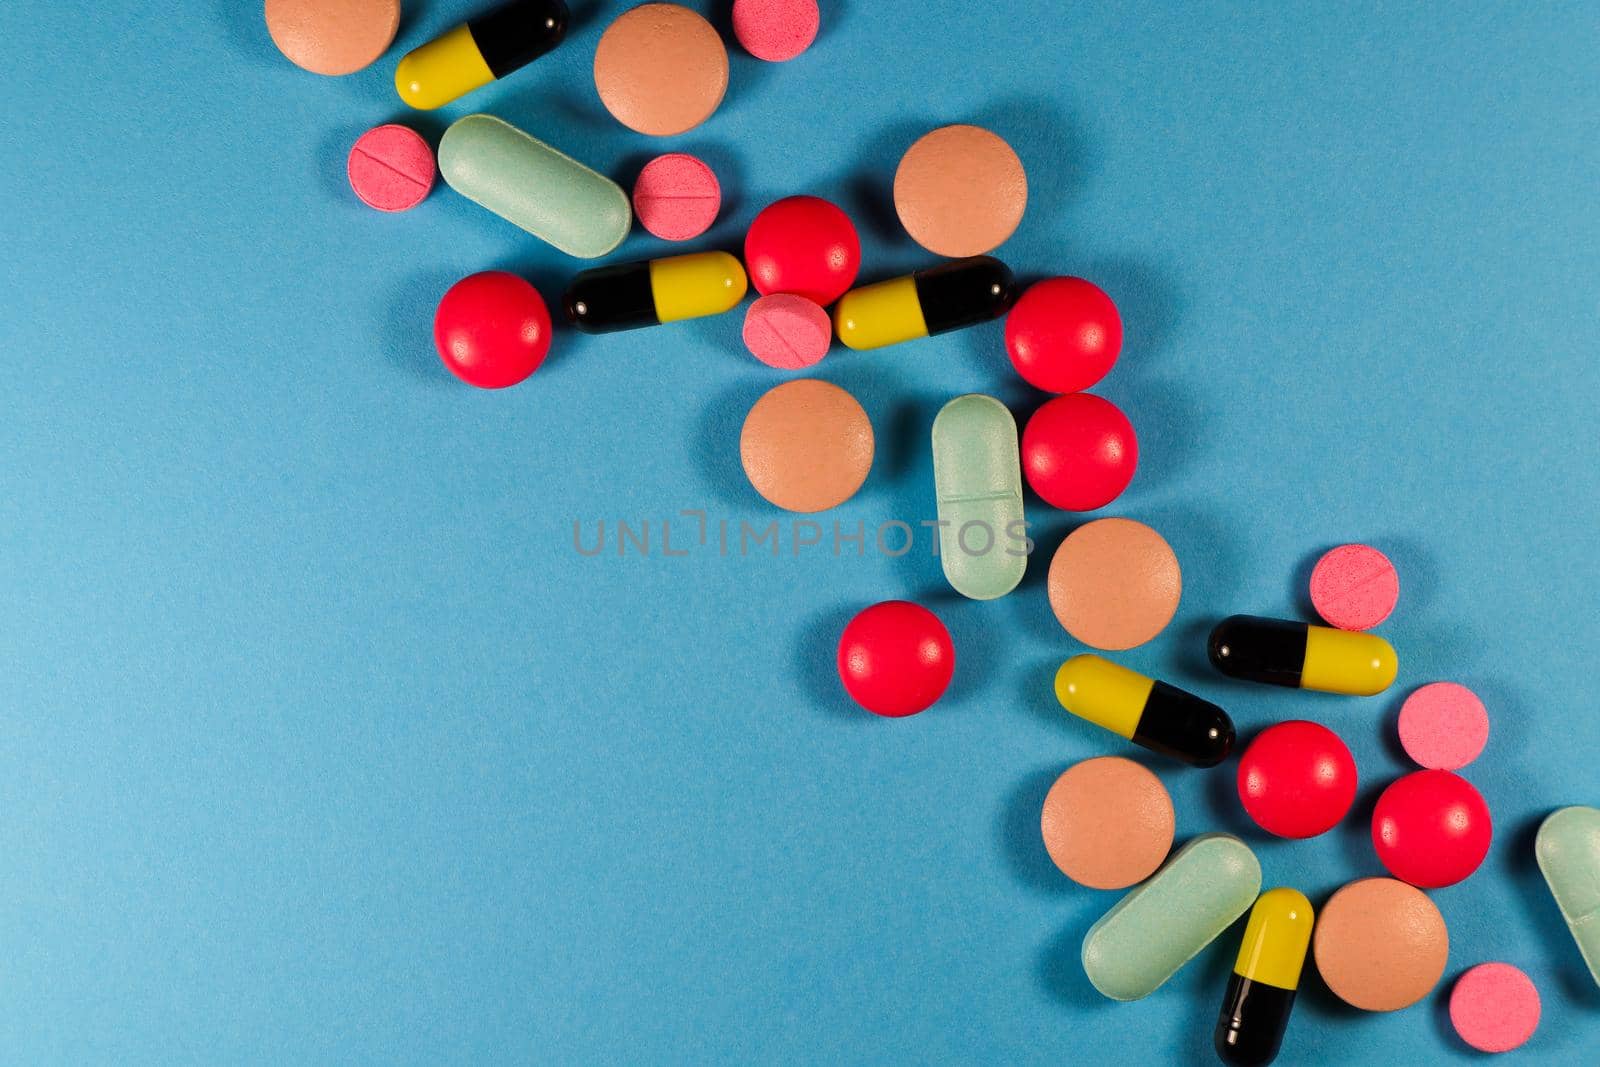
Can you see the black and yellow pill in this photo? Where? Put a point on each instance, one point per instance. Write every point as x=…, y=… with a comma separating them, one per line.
x=1255, y=1010
x=1301, y=656
x=630, y=295
x=1154, y=714
x=963, y=292
x=480, y=51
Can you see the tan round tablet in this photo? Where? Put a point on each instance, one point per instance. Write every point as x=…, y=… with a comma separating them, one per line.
x=1380, y=944
x=661, y=69
x=1107, y=823
x=806, y=445
x=333, y=36
x=1114, y=583
x=960, y=191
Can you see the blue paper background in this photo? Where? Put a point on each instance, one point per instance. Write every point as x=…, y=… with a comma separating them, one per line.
x=321, y=744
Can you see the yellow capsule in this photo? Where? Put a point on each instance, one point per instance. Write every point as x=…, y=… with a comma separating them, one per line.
x=1301, y=656
x=479, y=51
x=630, y=295
x=959, y=293
x=1260, y=996
x=1154, y=714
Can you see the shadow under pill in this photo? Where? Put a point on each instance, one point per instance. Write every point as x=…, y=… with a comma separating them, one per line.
x=406, y=327
x=716, y=446
x=1058, y=968
x=1021, y=840
x=816, y=664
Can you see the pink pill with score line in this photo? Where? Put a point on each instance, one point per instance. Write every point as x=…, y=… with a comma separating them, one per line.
x=1494, y=1007
x=676, y=197
x=787, y=331
x=1443, y=726
x=391, y=168
x=776, y=30
x=1354, y=587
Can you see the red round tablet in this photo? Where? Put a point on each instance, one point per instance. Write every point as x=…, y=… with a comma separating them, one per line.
x=803, y=245
x=676, y=197
x=1494, y=1007
x=1431, y=828
x=895, y=658
x=1079, y=452
x=1297, y=779
x=1354, y=587
x=492, y=329
x=391, y=168
x=1063, y=335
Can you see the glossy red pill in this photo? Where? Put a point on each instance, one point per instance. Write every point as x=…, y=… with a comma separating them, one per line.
x=1079, y=452
x=1431, y=828
x=492, y=329
x=1297, y=779
x=1063, y=335
x=803, y=245
x=895, y=658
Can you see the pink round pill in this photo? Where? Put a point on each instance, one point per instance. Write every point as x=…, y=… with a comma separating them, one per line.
x=1494, y=1007
x=1354, y=587
x=775, y=30
x=787, y=331
x=676, y=197
x=1443, y=726
x=391, y=168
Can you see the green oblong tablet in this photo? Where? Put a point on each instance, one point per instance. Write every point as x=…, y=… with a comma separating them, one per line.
x=1164, y=923
x=977, y=479
x=528, y=183
x=1568, y=850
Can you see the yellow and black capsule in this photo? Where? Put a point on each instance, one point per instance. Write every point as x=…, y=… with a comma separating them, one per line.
x=1260, y=995
x=479, y=51
x=630, y=295
x=1147, y=712
x=963, y=292
x=1301, y=656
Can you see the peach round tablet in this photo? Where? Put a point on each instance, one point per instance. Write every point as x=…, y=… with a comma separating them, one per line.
x=806, y=445
x=787, y=331
x=391, y=168
x=676, y=197
x=1380, y=944
x=960, y=191
x=1354, y=587
x=775, y=30
x=661, y=69
x=1494, y=1007
x=1114, y=583
x=1443, y=726
x=332, y=36
x=1107, y=823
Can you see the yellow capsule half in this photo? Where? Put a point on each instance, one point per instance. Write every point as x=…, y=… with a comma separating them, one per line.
x=882, y=314
x=696, y=285
x=447, y=67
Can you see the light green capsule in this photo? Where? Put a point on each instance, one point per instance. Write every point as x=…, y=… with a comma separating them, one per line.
x=1568, y=849
x=977, y=479
x=1164, y=923
x=528, y=183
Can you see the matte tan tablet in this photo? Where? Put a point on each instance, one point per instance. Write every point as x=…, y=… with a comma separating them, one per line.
x=1107, y=823
x=332, y=36
x=960, y=191
x=806, y=445
x=1114, y=583
x=661, y=69
x=1380, y=944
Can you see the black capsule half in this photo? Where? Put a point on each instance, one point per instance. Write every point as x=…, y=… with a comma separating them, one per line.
x=607, y=299
x=1183, y=726
x=515, y=34
x=1252, y=1022
x=1259, y=650
x=964, y=292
